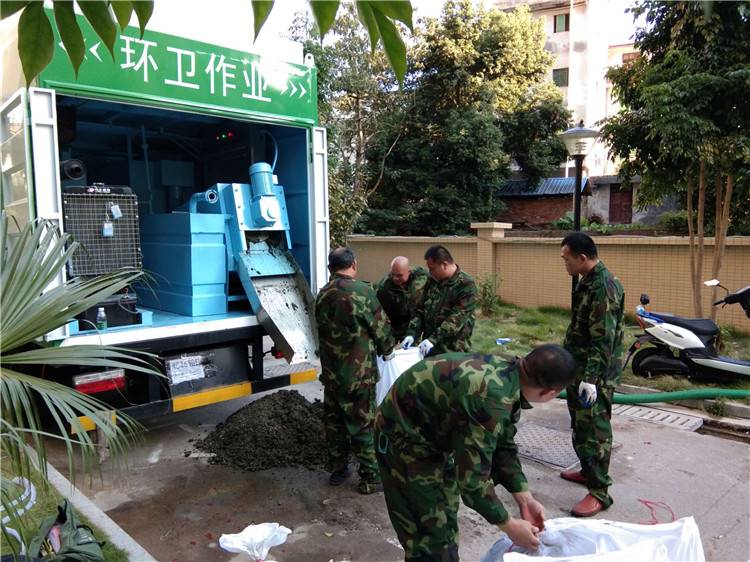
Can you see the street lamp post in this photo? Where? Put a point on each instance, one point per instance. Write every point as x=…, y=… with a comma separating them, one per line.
x=578, y=142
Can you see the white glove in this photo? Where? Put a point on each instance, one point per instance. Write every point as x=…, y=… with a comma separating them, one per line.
x=587, y=394
x=407, y=343
x=424, y=347
x=390, y=356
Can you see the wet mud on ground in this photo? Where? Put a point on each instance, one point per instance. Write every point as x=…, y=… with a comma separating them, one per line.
x=279, y=430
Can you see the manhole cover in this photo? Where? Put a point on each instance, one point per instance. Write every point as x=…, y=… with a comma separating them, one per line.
x=662, y=417
x=548, y=446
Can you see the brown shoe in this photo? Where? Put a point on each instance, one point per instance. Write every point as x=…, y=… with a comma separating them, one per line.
x=587, y=507
x=573, y=476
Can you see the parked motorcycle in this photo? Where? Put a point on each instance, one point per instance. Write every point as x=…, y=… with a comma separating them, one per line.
x=672, y=345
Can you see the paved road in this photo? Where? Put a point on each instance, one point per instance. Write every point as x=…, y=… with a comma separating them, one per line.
x=178, y=506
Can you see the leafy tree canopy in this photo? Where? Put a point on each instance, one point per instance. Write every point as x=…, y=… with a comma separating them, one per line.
x=685, y=121
x=477, y=98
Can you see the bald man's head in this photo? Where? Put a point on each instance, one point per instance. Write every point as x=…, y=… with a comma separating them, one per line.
x=400, y=270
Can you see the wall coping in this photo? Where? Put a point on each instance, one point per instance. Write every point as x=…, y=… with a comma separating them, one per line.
x=415, y=239
x=630, y=240
x=600, y=240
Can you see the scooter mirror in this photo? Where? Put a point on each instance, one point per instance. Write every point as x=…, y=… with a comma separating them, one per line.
x=711, y=283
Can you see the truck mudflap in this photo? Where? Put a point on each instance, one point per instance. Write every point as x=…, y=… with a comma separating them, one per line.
x=281, y=300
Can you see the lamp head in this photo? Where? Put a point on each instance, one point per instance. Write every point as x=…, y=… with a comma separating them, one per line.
x=579, y=140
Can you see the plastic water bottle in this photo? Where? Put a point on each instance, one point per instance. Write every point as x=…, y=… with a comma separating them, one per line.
x=101, y=319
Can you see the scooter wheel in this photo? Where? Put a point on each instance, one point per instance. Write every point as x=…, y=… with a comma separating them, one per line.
x=640, y=357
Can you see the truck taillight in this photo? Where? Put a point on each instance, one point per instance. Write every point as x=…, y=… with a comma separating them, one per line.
x=100, y=382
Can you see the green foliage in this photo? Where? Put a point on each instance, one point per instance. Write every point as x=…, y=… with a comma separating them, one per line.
x=684, y=100
x=35, y=38
x=600, y=228
x=718, y=407
x=356, y=92
x=47, y=500
x=30, y=263
x=488, y=298
x=378, y=18
x=476, y=98
x=35, y=44
x=674, y=222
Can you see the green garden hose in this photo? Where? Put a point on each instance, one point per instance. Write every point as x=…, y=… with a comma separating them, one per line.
x=695, y=394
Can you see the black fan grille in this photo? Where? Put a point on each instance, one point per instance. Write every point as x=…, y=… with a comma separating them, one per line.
x=85, y=215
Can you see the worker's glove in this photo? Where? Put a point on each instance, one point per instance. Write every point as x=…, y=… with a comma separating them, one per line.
x=390, y=356
x=407, y=343
x=587, y=394
x=425, y=347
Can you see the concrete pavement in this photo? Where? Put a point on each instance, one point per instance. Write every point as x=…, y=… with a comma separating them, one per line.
x=176, y=506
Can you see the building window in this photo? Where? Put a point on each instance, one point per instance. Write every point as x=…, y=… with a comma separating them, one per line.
x=562, y=23
x=560, y=77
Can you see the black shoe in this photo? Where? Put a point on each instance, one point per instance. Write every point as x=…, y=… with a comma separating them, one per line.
x=338, y=477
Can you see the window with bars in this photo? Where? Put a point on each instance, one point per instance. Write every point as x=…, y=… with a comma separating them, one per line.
x=562, y=23
x=560, y=77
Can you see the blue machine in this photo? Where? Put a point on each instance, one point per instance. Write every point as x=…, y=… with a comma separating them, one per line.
x=229, y=229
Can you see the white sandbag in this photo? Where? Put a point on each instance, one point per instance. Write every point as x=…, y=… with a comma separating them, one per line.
x=598, y=540
x=391, y=370
x=255, y=540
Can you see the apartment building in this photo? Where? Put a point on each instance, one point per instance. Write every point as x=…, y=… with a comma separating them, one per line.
x=587, y=37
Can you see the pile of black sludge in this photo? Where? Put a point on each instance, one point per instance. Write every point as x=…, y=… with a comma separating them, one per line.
x=278, y=430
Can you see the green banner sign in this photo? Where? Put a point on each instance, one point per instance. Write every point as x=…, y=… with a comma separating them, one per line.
x=170, y=71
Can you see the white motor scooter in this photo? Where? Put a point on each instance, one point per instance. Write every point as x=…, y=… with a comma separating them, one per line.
x=683, y=346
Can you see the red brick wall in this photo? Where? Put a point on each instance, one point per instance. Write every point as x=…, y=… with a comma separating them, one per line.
x=534, y=211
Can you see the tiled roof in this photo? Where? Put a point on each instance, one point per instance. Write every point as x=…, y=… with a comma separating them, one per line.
x=546, y=187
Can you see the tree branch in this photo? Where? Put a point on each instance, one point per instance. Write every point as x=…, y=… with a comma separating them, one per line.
x=382, y=164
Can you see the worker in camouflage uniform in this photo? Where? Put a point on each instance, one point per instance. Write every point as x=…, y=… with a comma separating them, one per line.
x=400, y=292
x=594, y=338
x=444, y=319
x=352, y=328
x=446, y=429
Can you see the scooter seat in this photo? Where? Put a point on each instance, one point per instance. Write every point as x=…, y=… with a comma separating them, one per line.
x=699, y=326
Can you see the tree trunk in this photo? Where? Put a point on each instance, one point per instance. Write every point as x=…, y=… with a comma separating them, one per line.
x=723, y=206
x=691, y=234
x=697, y=286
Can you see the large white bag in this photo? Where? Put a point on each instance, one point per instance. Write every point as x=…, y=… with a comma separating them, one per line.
x=391, y=370
x=598, y=540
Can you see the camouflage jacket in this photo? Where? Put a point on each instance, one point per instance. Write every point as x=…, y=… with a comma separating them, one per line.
x=466, y=405
x=594, y=336
x=400, y=302
x=352, y=328
x=446, y=314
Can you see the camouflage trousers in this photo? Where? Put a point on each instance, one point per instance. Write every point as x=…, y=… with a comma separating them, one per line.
x=348, y=417
x=592, y=439
x=422, y=499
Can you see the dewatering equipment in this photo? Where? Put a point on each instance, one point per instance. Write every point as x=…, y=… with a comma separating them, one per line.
x=686, y=346
x=233, y=232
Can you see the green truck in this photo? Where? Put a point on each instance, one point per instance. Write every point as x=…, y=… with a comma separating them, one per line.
x=147, y=160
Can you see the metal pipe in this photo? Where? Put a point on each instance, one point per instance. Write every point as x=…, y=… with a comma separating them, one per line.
x=210, y=196
x=577, y=206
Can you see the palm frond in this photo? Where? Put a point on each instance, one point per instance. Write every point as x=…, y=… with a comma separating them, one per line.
x=35, y=301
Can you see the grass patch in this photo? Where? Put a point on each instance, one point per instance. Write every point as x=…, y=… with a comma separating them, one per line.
x=529, y=327
x=47, y=500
